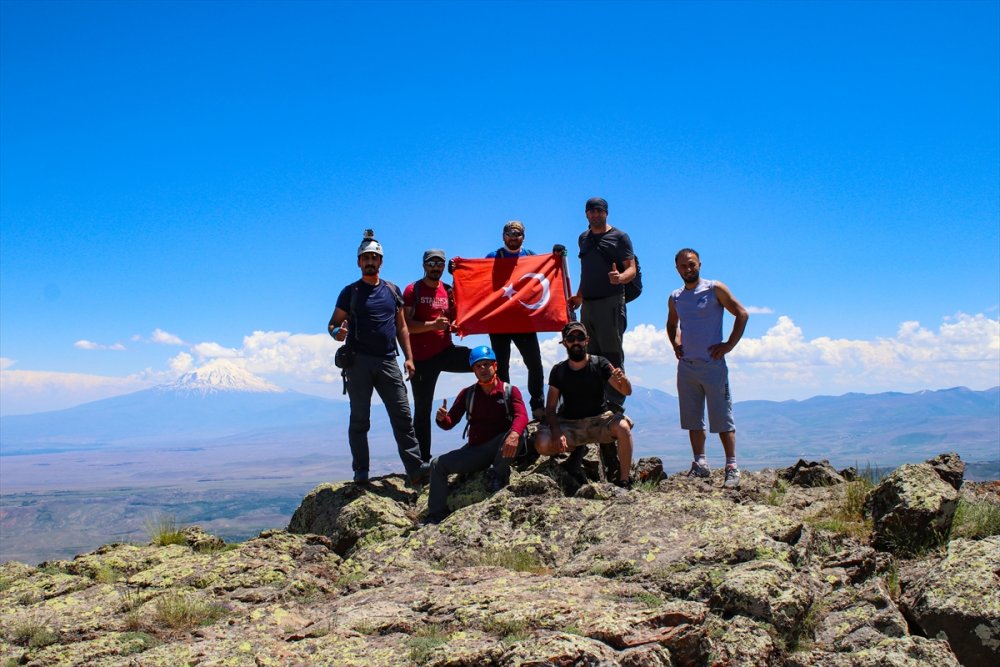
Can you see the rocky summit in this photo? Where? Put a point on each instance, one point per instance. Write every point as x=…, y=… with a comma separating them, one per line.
x=802, y=566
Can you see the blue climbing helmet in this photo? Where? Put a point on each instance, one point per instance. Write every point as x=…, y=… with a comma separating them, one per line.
x=480, y=353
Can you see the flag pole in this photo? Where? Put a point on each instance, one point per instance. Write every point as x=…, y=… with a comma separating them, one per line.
x=570, y=311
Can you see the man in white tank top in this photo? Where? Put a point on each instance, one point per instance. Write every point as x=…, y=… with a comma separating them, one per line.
x=702, y=375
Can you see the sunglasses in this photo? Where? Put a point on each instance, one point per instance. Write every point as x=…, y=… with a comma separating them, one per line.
x=513, y=233
x=575, y=338
x=434, y=262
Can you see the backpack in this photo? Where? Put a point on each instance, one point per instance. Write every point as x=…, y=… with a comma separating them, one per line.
x=633, y=288
x=470, y=395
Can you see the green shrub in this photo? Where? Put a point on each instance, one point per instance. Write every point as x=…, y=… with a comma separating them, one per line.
x=777, y=493
x=163, y=530
x=518, y=559
x=511, y=630
x=107, y=574
x=184, y=612
x=32, y=632
x=424, y=640
x=137, y=642
x=976, y=519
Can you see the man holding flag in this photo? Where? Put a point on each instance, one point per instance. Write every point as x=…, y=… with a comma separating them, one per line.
x=527, y=343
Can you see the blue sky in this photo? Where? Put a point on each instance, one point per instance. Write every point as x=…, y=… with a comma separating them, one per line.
x=181, y=182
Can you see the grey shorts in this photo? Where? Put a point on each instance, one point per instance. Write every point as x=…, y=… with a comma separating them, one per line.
x=700, y=383
x=589, y=429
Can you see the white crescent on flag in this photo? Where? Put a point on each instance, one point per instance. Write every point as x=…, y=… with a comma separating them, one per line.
x=508, y=291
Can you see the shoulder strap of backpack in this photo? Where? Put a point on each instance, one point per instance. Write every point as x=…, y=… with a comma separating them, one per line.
x=352, y=314
x=470, y=397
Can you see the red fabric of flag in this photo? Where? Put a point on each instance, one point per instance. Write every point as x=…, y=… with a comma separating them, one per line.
x=510, y=295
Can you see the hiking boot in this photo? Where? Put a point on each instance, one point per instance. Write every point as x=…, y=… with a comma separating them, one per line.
x=495, y=482
x=699, y=470
x=361, y=477
x=420, y=475
x=433, y=519
x=624, y=484
x=732, y=478
x=574, y=465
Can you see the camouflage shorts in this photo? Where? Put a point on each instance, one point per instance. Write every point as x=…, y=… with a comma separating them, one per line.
x=599, y=428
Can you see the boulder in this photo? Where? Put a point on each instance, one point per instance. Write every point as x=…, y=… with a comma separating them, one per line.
x=811, y=474
x=959, y=600
x=949, y=467
x=912, y=509
x=648, y=469
x=348, y=513
x=199, y=540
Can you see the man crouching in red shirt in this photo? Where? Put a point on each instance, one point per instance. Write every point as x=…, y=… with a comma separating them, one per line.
x=497, y=419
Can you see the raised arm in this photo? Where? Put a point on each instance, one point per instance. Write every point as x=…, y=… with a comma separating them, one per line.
x=741, y=316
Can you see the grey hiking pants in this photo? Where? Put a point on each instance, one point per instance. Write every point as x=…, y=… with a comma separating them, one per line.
x=383, y=375
x=605, y=320
x=470, y=458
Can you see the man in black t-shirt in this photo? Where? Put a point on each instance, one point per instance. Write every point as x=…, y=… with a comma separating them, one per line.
x=607, y=264
x=580, y=381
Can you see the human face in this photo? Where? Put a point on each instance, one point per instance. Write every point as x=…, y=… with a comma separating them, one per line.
x=597, y=217
x=689, y=268
x=513, y=239
x=433, y=268
x=485, y=370
x=575, y=343
x=370, y=263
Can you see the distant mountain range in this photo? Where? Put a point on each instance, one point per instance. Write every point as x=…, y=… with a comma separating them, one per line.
x=222, y=403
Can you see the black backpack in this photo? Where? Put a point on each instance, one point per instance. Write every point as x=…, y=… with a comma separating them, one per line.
x=633, y=288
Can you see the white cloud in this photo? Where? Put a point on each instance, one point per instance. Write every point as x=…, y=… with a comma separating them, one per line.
x=83, y=344
x=38, y=391
x=214, y=351
x=165, y=338
x=759, y=310
x=182, y=363
x=6, y=362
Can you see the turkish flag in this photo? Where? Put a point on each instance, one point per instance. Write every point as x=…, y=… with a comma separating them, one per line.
x=511, y=294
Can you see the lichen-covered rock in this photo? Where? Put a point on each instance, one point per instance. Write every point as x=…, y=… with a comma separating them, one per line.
x=850, y=619
x=912, y=509
x=959, y=600
x=811, y=473
x=903, y=652
x=949, y=467
x=741, y=641
x=199, y=540
x=767, y=590
x=683, y=573
x=349, y=513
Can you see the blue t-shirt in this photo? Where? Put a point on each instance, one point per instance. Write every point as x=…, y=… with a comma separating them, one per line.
x=700, y=315
x=372, y=329
x=597, y=252
x=503, y=252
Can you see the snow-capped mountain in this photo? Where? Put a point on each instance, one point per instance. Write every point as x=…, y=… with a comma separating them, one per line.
x=217, y=376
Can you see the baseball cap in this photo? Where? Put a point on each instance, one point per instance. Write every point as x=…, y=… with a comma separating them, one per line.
x=513, y=224
x=574, y=326
x=597, y=202
x=434, y=252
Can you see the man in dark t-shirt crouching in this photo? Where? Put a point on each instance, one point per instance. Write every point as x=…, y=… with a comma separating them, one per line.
x=580, y=382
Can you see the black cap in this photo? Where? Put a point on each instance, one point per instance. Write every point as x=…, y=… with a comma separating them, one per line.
x=598, y=203
x=574, y=326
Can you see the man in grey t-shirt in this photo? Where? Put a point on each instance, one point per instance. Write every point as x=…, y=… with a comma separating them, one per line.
x=702, y=375
x=607, y=264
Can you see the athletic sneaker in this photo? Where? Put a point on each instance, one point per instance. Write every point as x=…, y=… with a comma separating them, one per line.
x=732, y=478
x=699, y=470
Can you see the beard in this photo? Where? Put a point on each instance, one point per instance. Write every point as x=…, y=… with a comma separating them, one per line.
x=370, y=269
x=692, y=277
x=576, y=352
x=435, y=274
